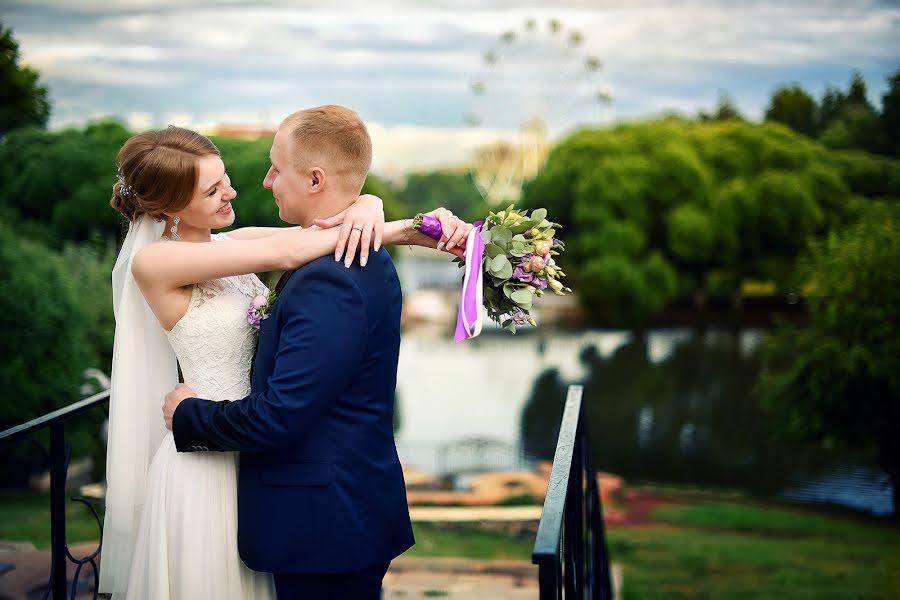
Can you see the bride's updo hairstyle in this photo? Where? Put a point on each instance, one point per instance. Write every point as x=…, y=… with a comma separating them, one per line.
x=158, y=171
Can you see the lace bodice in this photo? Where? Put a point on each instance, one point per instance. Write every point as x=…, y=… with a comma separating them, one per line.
x=213, y=341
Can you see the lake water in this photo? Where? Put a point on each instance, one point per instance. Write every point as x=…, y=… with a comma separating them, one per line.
x=674, y=406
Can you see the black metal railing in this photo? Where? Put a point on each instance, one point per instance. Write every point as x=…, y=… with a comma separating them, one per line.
x=59, y=456
x=570, y=546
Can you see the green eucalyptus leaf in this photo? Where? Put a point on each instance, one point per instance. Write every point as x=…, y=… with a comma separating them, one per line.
x=500, y=234
x=506, y=272
x=492, y=250
x=539, y=214
x=496, y=281
x=521, y=297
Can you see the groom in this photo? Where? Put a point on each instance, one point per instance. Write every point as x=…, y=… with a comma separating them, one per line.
x=322, y=501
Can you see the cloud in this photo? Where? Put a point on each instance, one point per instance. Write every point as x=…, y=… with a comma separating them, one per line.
x=412, y=63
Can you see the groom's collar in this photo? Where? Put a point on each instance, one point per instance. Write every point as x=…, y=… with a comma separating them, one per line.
x=283, y=281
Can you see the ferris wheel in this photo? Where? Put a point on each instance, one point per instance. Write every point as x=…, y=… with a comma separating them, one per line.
x=537, y=82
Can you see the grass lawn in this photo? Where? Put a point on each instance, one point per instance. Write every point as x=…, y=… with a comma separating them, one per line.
x=730, y=548
x=464, y=542
x=26, y=518
x=748, y=551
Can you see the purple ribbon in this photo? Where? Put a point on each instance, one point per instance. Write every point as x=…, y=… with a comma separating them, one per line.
x=469, y=320
x=468, y=323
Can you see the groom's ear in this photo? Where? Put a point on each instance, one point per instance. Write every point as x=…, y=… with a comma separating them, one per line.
x=316, y=179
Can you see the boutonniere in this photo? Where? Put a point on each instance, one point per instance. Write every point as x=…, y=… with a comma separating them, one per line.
x=260, y=309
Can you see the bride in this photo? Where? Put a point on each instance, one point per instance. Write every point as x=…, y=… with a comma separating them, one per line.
x=170, y=527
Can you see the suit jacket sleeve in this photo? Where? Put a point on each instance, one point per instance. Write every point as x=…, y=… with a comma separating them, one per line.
x=323, y=337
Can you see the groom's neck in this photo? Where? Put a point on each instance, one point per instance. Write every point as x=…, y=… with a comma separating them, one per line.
x=334, y=205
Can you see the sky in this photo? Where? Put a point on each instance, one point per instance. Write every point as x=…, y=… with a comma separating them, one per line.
x=410, y=67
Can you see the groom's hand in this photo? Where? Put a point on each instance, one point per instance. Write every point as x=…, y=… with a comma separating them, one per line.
x=361, y=225
x=173, y=399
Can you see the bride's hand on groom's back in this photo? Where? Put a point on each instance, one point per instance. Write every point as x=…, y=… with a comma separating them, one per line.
x=362, y=225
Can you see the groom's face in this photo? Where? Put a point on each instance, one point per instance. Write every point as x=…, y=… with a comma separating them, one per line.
x=288, y=185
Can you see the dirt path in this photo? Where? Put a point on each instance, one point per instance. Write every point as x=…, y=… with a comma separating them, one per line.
x=635, y=509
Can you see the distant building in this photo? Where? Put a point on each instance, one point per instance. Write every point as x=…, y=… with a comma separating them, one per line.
x=246, y=132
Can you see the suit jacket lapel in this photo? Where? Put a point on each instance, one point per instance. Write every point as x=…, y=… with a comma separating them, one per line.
x=278, y=287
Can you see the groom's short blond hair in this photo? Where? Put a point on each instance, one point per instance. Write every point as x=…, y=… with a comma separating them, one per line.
x=334, y=138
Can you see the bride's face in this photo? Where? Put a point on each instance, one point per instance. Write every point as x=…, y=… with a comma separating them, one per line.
x=210, y=207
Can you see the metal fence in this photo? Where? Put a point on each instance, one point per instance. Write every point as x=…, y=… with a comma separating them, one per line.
x=59, y=454
x=570, y=547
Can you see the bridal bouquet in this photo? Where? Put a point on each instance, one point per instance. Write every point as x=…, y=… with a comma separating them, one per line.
x=509, y=261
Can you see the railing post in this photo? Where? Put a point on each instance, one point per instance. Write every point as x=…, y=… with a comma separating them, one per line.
x=549, y=580
x=601, y=578
x=58, y=511
x=570, y=545
x=573, y=532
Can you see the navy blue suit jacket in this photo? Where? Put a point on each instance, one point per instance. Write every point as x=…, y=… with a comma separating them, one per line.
x=320, y=486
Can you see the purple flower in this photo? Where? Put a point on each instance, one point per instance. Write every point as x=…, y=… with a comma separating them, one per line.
x=253, y=317
x=540, y=283
x=519, y=317
x=520, y=274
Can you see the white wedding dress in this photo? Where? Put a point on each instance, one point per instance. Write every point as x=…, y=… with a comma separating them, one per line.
x=186, y=546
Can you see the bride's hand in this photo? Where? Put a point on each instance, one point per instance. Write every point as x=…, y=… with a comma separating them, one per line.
x=361, y=225
x=455, y=232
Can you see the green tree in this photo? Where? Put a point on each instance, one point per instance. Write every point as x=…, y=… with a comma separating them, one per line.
x=890, y=115
x=59, y=183
x=656, y=210
x=45, y=324
x=726, y=110
x=794, y=107
x=833, y=101
x=90, y=266
x=453, y=190
x=23, y=100
x=838, y=378
x=853, y=122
